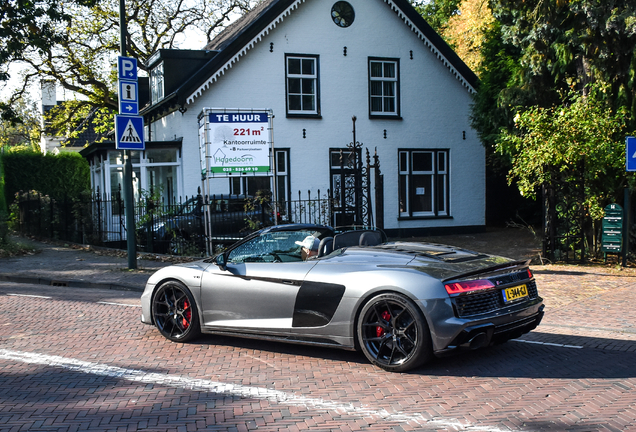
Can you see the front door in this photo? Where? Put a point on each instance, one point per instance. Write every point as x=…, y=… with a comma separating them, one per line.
x=341, y=169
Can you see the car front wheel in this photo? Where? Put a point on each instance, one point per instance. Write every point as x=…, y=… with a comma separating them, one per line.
x=174, y=312
x=393, y=334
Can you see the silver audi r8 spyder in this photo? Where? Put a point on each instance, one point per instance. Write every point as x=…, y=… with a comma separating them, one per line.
x=401, y=303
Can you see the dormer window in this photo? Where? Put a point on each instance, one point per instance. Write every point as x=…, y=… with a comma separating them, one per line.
x=156, y=83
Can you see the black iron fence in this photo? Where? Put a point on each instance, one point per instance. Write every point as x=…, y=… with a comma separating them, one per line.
x=187, y=226
x=567, y=225
x=571, y=235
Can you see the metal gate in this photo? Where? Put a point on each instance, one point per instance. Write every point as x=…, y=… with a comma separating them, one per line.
x=352, y=185
x=564, y=218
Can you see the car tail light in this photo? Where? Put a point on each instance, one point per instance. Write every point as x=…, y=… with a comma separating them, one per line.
x=529, y=274
x=466, y=286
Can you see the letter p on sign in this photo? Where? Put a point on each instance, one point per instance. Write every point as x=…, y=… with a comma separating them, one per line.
x=127, y=67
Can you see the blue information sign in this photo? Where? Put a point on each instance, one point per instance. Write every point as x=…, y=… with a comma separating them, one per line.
x=128, y=98
x=630, y=154
x=129, y=132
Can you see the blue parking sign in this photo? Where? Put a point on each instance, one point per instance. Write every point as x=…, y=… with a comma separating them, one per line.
x=630, y=153
x=129, y=132
x=127, y=68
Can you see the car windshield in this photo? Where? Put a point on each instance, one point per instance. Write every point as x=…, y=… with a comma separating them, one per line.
x=279, y=246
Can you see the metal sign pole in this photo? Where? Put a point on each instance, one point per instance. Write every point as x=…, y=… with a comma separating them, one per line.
x=274, y=168
x=128, y=170
x=626, y=225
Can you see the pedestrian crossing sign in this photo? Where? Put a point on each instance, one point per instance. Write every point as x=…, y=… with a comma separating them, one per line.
x=129, y=132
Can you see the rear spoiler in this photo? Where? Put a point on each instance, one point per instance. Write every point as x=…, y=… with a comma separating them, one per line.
x=509, y=265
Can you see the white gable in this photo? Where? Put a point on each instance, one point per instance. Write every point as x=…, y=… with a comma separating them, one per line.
x=243, y=51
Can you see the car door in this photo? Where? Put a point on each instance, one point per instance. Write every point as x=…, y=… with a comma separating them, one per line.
x=258, y=296
x=258, y=285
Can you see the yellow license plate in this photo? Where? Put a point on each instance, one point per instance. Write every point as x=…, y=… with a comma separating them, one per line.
x=515, y=293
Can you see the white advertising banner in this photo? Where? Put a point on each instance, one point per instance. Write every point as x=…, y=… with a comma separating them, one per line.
x=236, y=142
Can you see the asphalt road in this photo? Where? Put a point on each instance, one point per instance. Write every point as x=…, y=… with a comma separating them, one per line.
x=80, y=359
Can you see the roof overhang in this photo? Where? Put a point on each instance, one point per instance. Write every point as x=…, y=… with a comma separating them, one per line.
x=100, y=148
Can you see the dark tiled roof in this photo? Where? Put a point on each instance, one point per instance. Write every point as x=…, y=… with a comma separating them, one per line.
x=87, y=136
x=231, y=32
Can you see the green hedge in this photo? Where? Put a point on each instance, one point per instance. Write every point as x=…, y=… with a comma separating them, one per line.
x=3, y=201
x=59, y=176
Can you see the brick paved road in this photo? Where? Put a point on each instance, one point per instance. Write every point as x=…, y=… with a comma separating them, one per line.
x=70, y=363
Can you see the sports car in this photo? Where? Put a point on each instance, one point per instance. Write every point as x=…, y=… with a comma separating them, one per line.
x=400, y=303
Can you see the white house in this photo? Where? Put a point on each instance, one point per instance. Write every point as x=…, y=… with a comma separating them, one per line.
x=316, y=64
x=48, y=142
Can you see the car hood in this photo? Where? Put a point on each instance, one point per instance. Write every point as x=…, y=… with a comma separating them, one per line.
x=439, y=261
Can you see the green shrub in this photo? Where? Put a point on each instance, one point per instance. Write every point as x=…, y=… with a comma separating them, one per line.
x=3, y=199
x=4, y=228
x=58, y=176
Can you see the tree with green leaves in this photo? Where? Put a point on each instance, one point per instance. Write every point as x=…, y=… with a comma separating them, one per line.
x=537, y=51
x=538, y=108
x=30, y=26
x=551, y=46
x=26, y=132
x=466, y=30
x=580, y=140
x=437, y=12
x=83, y=58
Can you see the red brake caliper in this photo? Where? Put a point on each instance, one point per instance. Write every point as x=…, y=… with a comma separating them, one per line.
x=379, y=331
x=187, y=314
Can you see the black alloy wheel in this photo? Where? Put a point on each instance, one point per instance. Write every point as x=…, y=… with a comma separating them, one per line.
x=175, y=312
x=393, y=334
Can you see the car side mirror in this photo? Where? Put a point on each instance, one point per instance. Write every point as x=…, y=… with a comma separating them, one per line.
x=221, y=261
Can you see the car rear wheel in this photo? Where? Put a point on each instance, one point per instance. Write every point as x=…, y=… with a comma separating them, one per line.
x=174, y=312
x=393, y=334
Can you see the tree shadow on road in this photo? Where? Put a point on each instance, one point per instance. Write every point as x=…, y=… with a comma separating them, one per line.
x=516, y=359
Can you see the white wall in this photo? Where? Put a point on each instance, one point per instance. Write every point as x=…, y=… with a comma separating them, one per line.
x=435, y=106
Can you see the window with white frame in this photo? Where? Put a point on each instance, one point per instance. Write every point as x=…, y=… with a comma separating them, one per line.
x=423, y=183
x=116, y=180
x=282, y=174
x=249, y=185
x=154, y=170
x=97, y=176
x=384, y=88
x=156, y=83
x=301, y=73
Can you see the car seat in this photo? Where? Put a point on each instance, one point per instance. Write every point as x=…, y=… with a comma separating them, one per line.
x=325, y=247
x=357, y=238
x=370, y=238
